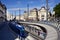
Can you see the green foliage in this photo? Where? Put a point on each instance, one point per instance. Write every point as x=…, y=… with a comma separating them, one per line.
x=57, y=10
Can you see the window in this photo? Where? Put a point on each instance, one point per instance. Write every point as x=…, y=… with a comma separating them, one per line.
x=36, y=30
x=42, y=16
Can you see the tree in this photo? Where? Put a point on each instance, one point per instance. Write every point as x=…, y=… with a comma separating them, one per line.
x=57, y=10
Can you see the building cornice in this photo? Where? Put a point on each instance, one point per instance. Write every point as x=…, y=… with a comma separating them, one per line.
x=3, y=6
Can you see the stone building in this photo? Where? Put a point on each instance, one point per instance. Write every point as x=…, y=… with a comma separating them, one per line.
x=43, y=14
x=11, y=17
x=35, y=13
x=2, y=12
x=32, y=14
x=25, y=15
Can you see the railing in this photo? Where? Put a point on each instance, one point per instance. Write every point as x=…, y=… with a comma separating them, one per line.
x=54, y=24
x=36, y=31
x=51, y=32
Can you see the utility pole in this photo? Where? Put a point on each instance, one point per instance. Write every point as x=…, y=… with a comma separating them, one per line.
x=27, y=11
x=12, y=15
x=19, y=14
x=47, y=9
x=15, y=14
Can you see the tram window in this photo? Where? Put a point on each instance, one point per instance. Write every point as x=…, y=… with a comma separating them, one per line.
x=36, y=30
x=32, y=28
x=29, y=28
x=39, y=32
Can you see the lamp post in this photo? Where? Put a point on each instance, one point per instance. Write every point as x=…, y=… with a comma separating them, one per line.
x=47, y=9
x=27, y=11
x=12, y=15
x=19, y=14
x=15, y=14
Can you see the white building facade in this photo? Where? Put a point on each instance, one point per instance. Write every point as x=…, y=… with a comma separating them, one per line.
x=43, y=14
x=32, y=14
x=2, y=12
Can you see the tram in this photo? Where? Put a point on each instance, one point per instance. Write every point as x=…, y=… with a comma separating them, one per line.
x=19, y=29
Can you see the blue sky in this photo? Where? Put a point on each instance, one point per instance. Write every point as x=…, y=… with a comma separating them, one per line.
x=14, y=5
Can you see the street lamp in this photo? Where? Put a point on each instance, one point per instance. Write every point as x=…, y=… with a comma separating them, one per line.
x=47, y=9
x=15, y=14
x=12, y=15
x=27, y=11
x=19, y=14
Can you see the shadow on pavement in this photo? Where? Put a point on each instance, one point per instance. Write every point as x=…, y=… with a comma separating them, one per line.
x=6, y=33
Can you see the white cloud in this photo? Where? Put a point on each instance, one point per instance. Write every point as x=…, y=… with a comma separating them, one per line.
x=13, y=9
